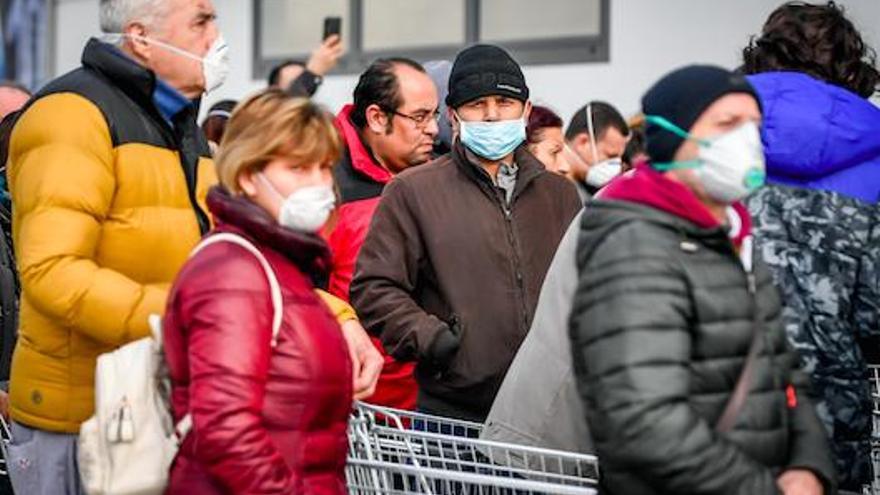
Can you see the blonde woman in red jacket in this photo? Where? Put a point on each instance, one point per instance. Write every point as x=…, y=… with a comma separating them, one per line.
x=266, y=419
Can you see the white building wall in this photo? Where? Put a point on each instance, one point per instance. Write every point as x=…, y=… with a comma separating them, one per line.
x=648, y=38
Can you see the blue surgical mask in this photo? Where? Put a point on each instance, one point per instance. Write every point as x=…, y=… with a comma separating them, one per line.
x=492, y=140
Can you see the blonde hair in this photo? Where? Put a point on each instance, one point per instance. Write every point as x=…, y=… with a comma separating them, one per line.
x=271, y=125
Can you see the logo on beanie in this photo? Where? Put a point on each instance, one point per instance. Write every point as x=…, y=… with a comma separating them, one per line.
x=509, y=88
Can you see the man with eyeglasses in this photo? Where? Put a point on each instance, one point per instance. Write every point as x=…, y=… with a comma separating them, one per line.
x=390, y=127
x=450, y=272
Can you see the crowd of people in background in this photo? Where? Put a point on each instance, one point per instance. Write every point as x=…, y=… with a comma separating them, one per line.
x=692, y=293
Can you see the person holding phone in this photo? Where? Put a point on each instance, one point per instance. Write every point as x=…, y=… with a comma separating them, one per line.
x=303, y=78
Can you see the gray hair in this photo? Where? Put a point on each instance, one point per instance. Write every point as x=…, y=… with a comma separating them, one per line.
x=115, y=14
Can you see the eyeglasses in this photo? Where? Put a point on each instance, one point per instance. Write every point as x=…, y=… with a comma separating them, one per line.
x=421, y=119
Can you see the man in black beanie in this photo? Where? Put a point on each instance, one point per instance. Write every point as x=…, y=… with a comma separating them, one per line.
x=451, y=269
x=680, y=354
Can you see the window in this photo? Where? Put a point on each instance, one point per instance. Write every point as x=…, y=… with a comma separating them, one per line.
x=292, y=28
x=523, y=20
x=534, y=31
x=423, y=26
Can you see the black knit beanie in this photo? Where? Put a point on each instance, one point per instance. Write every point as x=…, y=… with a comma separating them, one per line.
x=681, y=97
x=484, y=70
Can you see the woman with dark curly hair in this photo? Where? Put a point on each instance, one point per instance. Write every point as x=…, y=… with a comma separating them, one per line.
x=817, y=40
x=818, y=223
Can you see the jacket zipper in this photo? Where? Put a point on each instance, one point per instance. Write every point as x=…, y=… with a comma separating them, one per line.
x=201, y=216
x=513, y=241
x=170, y=132
x=191, y=185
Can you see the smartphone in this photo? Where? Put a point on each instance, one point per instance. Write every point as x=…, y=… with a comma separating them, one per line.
x=332, y=25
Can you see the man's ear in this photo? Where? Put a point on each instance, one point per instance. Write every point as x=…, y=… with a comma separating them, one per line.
x=377, y=119
x=582, y=142
x=453, y=121
x=134, y=42
x=527, y=111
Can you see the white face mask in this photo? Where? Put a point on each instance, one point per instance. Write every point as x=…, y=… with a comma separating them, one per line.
x=729, y=166
x=306, y=209
x=215, y=63
x=603, y=172
x=733, y=164
x=600, y=173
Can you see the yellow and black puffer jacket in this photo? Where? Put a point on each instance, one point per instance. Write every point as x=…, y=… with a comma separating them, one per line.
x=108, y=202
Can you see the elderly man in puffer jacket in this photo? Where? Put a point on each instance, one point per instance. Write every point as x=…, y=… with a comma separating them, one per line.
x=108, y=172
x=688, y=382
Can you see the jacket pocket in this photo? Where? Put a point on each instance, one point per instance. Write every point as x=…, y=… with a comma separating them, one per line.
x=462, y=371
x=446, y=345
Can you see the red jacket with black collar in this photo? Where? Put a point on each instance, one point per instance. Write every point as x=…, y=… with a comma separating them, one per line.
x=360, y=180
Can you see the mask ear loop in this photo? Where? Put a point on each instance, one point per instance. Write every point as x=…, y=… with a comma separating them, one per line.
x=573, y=153
x=592, y=132
x=666, y=125
x=172, y=48
x=458, y=128
x=269, y=186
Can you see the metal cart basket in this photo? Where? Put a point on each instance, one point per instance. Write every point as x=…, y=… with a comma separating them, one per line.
x=875, y=436
x=392, y=452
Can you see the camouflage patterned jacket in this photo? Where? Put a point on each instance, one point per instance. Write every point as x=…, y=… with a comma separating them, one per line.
x=824, y=252
x=822, y=242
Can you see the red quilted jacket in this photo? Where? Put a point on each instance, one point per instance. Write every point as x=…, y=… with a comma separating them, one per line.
x=361, y=180
x=265, y=420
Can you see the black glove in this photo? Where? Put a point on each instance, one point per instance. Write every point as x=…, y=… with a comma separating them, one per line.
x=445, y=344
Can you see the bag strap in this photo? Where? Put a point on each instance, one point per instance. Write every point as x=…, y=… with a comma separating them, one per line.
x=743, y=383
x=741, y=390
x=185, y=424
x=274, y=287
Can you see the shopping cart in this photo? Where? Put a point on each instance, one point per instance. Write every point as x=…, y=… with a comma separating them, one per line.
x=396, y=452
x=400, y=419
x=875, y=437
x=5, y=438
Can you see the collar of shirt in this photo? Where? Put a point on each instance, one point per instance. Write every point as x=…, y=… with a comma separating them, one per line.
x=507, y=171
x=168, y=100
x=505, y=179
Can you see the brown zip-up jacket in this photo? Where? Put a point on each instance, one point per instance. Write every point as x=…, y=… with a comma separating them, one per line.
x=447, y=260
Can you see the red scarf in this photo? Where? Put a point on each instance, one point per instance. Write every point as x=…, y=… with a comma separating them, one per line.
x=648, y=187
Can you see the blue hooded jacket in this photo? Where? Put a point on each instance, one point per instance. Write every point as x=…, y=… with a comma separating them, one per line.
x=819, y=136
x=817, y=226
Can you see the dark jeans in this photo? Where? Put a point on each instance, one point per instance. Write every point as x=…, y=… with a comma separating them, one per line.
x=463, y=460
x=443, y=428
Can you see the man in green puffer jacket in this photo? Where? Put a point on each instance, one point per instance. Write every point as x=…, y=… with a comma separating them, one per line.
x=688, y=382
